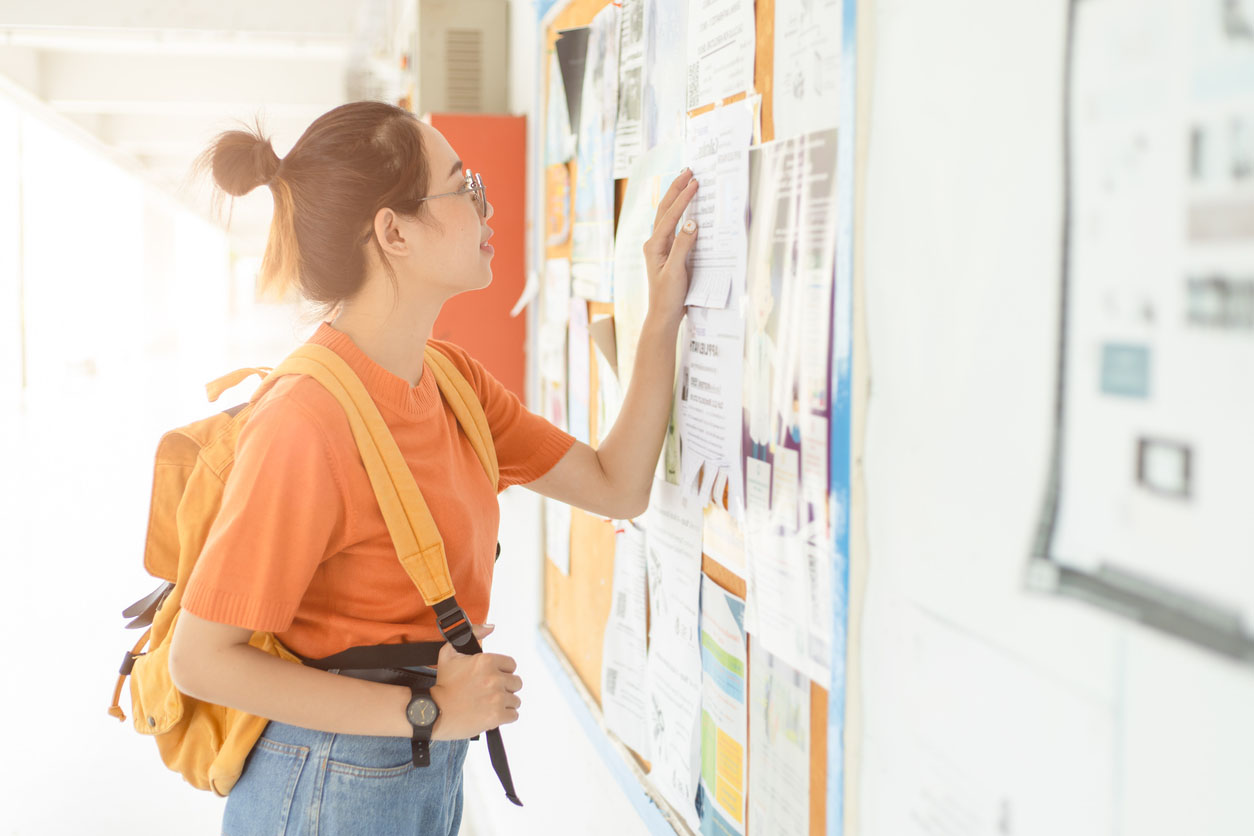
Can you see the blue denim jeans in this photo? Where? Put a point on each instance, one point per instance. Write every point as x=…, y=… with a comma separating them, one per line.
x=299, y=782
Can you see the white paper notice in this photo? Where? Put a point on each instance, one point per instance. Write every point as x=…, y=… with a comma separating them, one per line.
x=554, y=316
x=717, y=150
x=779, y=747
x=710, y=400
x=723, y=710
x=723, y=539
x=807, y=66
x=674, y=567
x=624, y=693
x=647, y=183
x=557, y=534
x=721, y=42
x=579, y=379
x=666, y=47
x=629, y=133
x=592, y=245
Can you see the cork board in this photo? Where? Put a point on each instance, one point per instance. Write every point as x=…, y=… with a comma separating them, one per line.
x=577, y=606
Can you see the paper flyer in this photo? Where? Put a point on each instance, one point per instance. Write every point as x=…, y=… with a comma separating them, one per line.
x=674, y=573
x=624, y=694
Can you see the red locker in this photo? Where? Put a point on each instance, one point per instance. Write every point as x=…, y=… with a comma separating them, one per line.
x=496, y=148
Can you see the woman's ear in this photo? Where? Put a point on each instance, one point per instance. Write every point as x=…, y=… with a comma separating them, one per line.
x=389, y=233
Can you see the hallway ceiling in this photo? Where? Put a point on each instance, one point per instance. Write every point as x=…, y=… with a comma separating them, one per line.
x=155, y=81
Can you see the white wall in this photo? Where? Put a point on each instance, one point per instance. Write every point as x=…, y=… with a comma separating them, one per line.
x=124, y=313
x=988, y=709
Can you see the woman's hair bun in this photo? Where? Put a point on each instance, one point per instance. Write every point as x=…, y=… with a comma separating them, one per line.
x=241, y=161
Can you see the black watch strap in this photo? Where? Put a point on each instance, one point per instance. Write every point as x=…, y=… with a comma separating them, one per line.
x=420, y=744
x=421, y=750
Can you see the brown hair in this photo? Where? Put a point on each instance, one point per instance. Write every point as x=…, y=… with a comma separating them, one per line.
x=348, y=164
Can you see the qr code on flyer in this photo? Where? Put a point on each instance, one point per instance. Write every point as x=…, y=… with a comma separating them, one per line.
x=694, y=78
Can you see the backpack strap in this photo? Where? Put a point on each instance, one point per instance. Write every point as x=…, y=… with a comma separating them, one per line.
x=419, y=546
x=462, y=399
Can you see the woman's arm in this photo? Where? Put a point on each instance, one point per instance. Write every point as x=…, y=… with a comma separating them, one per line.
x=213, y=662
x=615, y=479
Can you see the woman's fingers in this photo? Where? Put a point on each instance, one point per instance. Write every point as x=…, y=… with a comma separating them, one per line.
x=667, y=222
x=677, y=185
x=683, y=243
x=659, y=244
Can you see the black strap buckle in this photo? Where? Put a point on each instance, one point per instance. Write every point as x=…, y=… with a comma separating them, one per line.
x=455, y=626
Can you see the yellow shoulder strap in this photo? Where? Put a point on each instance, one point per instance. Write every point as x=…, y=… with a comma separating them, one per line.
x=418, y=543
x=461, y=397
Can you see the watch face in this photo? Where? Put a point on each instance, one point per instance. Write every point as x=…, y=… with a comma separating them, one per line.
x=422, y=711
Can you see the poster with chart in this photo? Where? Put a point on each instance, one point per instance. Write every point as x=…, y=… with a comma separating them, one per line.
x=1148, y=503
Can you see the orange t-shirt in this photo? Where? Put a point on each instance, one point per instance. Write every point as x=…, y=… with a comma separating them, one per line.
x=299, y=547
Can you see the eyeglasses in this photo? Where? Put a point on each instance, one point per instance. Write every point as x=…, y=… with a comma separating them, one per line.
x=474, y=185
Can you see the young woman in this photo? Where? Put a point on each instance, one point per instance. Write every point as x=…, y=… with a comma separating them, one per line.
x=376, y=217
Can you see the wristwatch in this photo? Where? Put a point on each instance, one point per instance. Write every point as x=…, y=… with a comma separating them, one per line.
x=422, y=712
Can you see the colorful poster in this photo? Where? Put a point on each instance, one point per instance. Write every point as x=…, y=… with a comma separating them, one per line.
x=724, y=722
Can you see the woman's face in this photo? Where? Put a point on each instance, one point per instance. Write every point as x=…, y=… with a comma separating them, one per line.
x=451, y=248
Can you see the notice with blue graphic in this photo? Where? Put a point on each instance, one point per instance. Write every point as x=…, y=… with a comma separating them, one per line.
x=724, y=712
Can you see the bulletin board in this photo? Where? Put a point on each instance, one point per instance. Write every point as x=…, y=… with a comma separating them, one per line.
x=577, y=603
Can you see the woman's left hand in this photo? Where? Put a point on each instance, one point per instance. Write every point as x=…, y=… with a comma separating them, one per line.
x=666, y=252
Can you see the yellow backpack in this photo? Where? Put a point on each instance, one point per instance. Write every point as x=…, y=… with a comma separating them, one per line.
x=208, y=743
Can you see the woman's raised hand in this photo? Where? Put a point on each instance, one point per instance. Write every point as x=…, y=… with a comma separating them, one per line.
x=666, y=252
x=475, y=693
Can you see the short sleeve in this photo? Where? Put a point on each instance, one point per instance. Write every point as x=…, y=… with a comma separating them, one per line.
x=527, y=444
x=283, y=512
